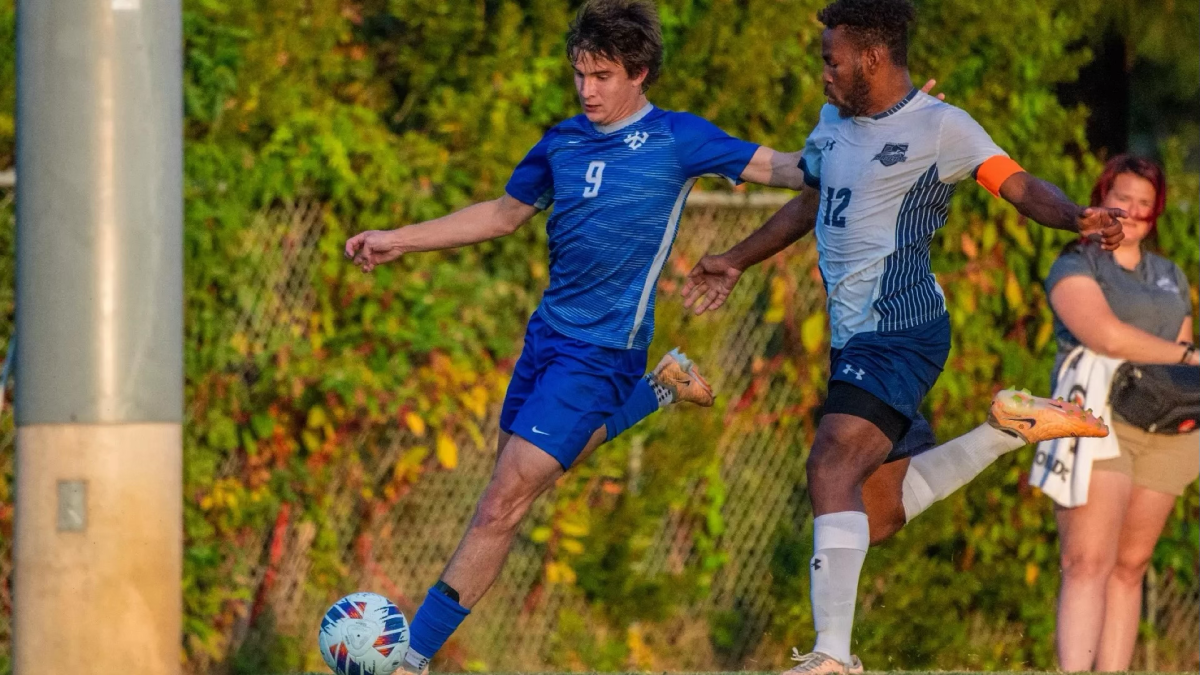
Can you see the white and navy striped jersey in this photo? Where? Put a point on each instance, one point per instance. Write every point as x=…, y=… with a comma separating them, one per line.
x=885, y=185
x=618, y=192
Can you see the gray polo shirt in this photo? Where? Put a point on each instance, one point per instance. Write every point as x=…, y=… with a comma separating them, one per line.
x=1154, y=296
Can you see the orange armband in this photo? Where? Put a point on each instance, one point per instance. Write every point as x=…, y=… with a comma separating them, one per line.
x=994, y=171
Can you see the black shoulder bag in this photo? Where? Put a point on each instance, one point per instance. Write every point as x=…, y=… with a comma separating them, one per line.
x=1160, y=399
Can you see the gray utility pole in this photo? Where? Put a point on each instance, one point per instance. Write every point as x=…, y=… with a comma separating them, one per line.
x=99, y=394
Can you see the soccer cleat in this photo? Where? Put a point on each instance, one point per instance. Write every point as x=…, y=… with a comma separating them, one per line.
x=677, y=373
x=1034, y=419
x=818, y=663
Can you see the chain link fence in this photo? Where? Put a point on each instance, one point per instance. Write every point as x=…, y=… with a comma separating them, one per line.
x=525, y=623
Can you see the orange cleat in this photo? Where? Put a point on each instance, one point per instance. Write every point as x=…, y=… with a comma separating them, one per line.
x=679, y=374
x=1035, y=419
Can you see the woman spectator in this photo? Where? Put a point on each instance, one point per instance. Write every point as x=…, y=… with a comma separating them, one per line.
x=1135, y=305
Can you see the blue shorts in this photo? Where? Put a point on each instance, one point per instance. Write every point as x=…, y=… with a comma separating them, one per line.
x=563, y=389
x=899, y=368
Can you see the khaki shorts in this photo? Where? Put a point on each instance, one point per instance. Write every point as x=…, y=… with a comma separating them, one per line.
x=1158, y=462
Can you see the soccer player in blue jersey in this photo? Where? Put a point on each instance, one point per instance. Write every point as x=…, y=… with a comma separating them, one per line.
x=880, y=168
x=617, y=176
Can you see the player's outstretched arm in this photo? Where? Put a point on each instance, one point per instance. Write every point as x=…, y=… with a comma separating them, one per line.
x=711, y=280
x=473, y=224
x=774, y=168
x=782, y=169
x=1043, y=202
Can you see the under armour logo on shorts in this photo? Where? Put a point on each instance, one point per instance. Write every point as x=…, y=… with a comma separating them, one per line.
x=849, y=370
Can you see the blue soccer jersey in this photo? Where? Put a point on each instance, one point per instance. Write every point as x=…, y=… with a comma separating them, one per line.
x=618, y=192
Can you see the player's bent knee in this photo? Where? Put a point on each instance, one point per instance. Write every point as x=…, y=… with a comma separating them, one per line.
x=825, y=462
x=835, y=464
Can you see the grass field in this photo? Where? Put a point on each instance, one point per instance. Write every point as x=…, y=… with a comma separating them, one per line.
x=777, y=673
x=773, y=672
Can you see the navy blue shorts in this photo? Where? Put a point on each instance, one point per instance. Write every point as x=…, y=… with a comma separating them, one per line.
x=899, y=368
x=563, y=389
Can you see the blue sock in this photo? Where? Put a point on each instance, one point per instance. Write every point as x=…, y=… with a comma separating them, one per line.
x=642, y=401
x=436, y=620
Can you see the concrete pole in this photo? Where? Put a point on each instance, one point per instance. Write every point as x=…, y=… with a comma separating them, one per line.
x=99, y=404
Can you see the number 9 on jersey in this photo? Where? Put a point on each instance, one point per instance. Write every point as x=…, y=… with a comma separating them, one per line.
x=594, y=176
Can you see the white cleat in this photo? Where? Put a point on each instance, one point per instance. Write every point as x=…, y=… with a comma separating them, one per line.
x=818, y=663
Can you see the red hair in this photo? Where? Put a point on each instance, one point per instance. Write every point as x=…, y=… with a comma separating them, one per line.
x=1137, y=166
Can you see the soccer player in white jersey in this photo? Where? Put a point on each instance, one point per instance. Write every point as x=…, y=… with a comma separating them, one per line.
x=618, y=176
x=880, y=167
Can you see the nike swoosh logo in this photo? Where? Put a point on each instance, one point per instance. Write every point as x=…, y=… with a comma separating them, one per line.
x=539, y=431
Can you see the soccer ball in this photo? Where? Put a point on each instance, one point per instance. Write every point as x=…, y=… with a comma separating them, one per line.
x=363, y=634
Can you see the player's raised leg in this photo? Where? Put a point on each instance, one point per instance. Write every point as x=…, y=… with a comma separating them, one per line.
x=675, y=379
x=897, y=494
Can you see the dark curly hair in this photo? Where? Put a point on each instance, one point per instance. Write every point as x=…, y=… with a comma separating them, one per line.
x=625, y=31
x=873, y=22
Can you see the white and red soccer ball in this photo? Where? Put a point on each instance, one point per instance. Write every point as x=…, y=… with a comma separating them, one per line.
x=363, y=634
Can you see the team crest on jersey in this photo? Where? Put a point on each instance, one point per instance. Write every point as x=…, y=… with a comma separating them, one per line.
x=893, y=153
x=636, y=139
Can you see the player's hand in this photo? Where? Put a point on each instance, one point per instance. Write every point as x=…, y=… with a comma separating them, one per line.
x=929, y=87
x=371, y=248
x=709, y=284
x=1103, y=225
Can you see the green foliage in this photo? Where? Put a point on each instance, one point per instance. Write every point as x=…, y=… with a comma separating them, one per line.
x=391, y=111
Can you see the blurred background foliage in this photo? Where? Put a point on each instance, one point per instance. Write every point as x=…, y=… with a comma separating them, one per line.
x=386, y=112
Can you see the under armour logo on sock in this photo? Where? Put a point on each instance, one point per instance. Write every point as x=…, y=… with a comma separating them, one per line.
x=816, y=564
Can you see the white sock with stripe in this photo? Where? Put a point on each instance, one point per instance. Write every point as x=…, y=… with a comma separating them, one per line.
x=840, y=542
x=936, y=474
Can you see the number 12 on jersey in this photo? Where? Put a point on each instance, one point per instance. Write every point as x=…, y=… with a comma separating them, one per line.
x=594, y=176
x=833, y=215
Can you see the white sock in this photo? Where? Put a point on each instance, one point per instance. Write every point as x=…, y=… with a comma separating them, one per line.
x=935, y=474
x=415, y=662
x=840, y=543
